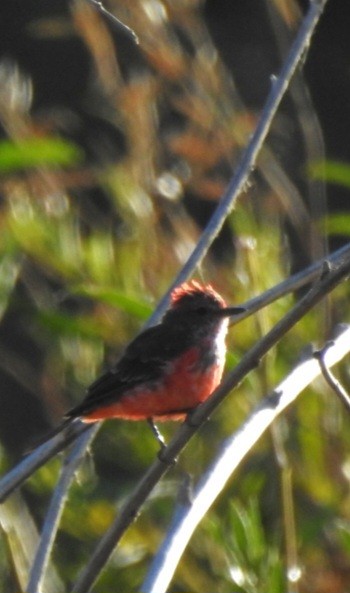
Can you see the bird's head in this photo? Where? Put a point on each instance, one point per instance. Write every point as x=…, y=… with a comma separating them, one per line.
x=193, y=302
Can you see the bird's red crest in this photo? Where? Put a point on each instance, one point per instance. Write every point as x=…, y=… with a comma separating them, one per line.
x=193, y=288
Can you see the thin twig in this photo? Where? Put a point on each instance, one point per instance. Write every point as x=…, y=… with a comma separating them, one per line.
x=249, y=156
x=195, y=419
x=42, y=454
x=55, y=510
x=21, y=472
x=327, y=283
x=37, y=458
x=335, y=385
x=18, y=526
x=115, y=21
x=293, y=283
x=231, y=455
x=314, y=203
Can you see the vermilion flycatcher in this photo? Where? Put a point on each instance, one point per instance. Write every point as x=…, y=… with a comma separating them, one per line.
x=168, y=369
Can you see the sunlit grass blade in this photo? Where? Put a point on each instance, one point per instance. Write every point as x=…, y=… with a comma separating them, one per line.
x=36, y=152
x=331, y=171
x=126, y=303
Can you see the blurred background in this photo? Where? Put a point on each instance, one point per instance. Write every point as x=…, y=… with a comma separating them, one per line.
x=113, y=157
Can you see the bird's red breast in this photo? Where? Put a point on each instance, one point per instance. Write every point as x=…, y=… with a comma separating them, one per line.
x=185, y=384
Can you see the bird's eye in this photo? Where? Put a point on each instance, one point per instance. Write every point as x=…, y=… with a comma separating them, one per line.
x=201, y=310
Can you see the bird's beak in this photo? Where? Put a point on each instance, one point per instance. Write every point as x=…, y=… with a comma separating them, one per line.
x=231, y=311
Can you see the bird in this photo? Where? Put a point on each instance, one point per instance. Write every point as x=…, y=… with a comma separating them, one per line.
x=167, y=369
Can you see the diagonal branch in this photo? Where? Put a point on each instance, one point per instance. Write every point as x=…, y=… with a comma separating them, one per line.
x=329, y=280
x=293, y=283
x=23, y=470
x=46, y=451
x=118, y=24
x=37, y=458
x=322, y=358
x=55, y=511
x=247, y=162
x=232, y=453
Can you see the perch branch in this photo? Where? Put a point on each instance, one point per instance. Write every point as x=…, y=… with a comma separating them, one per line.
x=329, y=280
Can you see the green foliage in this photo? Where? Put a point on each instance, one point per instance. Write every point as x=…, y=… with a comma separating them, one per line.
x=255, y=562
x=80, y=278
x=36, y=152
x=128, y=304
x=331, y=171
x=339, y=224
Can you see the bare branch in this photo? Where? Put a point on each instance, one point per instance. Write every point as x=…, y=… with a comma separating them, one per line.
x=249, y=156
x=335, y=385
x=293, y=283
x=37, y=458
x=231, y=455
x=132, y=507
x=115, y=21
x=55, y=510
x=15, y=477
x=21, y=534
x=42, y=454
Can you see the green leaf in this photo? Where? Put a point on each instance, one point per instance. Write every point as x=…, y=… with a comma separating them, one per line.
x=331, y=171
x=36, y=152
x=62, y=324
x=110, y=296
x=338, y=224
x=254, y=560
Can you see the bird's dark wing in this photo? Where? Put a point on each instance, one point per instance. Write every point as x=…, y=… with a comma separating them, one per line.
x=143, y=360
